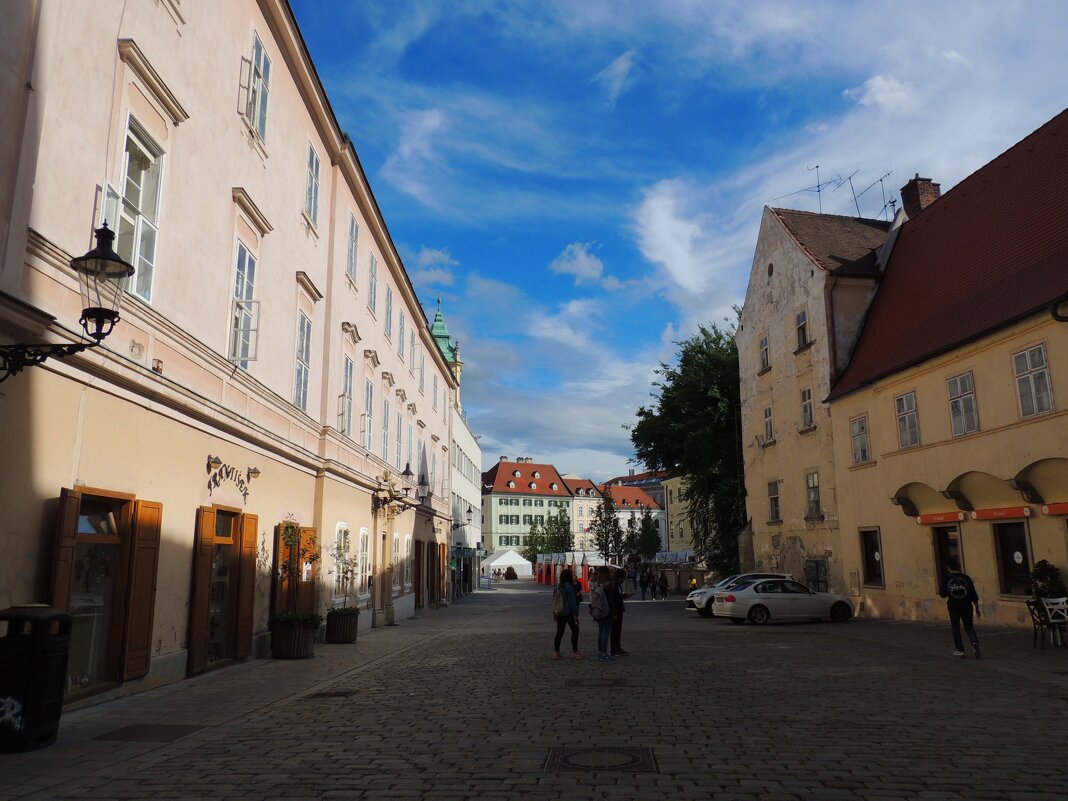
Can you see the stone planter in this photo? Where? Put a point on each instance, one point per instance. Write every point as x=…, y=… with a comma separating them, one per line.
x=341, y=628
x=292, y=640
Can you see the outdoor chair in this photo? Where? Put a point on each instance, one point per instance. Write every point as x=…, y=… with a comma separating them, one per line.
x=1040, y=622
x=1057, y=614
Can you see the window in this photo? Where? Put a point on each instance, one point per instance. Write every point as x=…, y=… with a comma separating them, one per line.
x=389, y=312
x=410, y=440
x=422, y=369
x=342, y=578
x=372, y=284
x=527, y=519
x=872, y=557
x=1014, y=563
x=400, y=438
x=368, y=412
x=513, y=519
x=354, y=241
x=396, y=560
x=245, y=322
x=539, y=502
x=769, y=425
x=528, y=502
x=801, y=322
x=858, y=431
x=135, y=217
x=365, y=560
x=259, y=89
x=411, y=352
x=434, y=398
x=502, y=520
x=806, y=409
x=962, y=411
x=813, y=510
x=385, y=430
x=765, y=355
x=908, y=424
x=1032, y=381
x=344, y=412
x=311, y=191
x=774, y=513
x=539, y=519
x=304, y=333
x=400, y=336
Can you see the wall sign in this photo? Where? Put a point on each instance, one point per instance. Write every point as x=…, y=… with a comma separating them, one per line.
x=224, y=472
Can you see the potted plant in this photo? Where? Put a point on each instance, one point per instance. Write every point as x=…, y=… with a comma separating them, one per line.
x=292, y=631
x=342, y=622
x=1046, y=581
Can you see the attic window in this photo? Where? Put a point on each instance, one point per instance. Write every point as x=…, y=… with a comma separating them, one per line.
x=537, y=474
x=533, y=485
x=552, y=486
x=511, y=484
x=516, y=473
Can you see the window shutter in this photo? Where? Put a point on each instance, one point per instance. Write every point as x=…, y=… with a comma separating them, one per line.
x=200, y=608
x=63, y=556
x=141, y=597
x=249, y=525
x=244, y=90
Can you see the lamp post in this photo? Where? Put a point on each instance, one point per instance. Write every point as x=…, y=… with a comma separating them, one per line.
x=102, y=277
x=461, y=550
x=387, y=501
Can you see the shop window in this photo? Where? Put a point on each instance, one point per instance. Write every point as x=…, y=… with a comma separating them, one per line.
x=871, y=557
x=1014, y=562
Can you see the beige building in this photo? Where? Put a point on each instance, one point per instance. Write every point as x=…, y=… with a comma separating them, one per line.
x=584, y=502
x=950, y=423
x=272, y=361
x=679, y=531
x=812, y=278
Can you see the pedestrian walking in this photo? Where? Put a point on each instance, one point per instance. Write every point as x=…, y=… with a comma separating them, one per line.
x=959, y=591
x=565, y=611
x=601, y=611
x=663, y=586
x=643, y=582
x=615, y=593
x=693, y=584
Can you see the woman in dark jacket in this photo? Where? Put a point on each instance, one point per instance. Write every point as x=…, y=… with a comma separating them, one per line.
x=614, y=592
x=568, y=616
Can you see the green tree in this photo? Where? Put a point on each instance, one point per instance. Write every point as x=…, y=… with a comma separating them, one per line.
x=558, y=534
x=605, y=527
x=694, y=428
x=648, y=536
x=631, y=535
x=534, y=543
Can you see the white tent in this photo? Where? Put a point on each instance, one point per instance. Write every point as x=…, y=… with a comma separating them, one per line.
x=505, y=559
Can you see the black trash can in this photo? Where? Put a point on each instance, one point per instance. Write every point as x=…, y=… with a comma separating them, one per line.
x=33, y=675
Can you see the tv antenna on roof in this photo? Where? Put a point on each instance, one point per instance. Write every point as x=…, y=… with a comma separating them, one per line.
x=882, y=187
x=818, y=188
x=849, y=179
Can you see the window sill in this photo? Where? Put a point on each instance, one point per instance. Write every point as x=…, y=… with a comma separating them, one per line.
x=807, y=429
x=803, y=348
x=254, y=138
x=767, y=443
x=868, y=586
x=863, y=465
x=309, y=224
x=352, y=282
x=815, y=518
x=775, y=522
x=764, y=370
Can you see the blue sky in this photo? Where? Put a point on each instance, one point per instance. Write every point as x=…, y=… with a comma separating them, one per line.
x=582, y=182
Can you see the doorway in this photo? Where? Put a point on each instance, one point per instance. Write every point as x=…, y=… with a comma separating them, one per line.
x=947, y=550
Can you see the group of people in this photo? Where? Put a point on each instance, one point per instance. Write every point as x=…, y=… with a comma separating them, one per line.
x=606, y=607
x=651, y=582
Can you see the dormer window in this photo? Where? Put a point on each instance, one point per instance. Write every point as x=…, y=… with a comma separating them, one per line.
x=537, y=474
x=511, y=484
x=533, y=485
x=516, y=473
x=552, y=487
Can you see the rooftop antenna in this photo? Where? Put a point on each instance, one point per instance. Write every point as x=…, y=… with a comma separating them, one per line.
x=882, y=188
x=849, y=179
x=819, y=188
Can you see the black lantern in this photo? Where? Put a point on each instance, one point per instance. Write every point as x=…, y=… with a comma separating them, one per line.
x=423, y=488
x=103, y=275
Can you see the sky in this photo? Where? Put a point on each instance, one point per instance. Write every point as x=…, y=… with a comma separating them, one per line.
x=581, y=183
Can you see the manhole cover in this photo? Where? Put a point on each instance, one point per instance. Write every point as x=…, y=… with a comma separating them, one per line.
x=333, y=694
x=596, y=683
x=620, y=759
x=152, y=732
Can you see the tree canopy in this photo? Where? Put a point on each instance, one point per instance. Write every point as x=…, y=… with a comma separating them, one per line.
x=693, y=429
x=606, y=528
x=648, y=537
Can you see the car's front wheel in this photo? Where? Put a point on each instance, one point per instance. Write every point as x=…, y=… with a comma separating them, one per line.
x=759, y=615
x=841, y=612
x=703, y=611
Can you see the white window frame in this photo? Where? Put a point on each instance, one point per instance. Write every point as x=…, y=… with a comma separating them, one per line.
x=401, y=322
x=411, y=351
x=311, y=189
x=801, y=325
x=245, y=317
x=774, y=509
x=372, y=284
x=344, y=411
x=908, y=420
x=411, y=438
x=259, y=89
x=765, y=353
x=342, y=546
x=389, y=312
x=303, y=368
x=434, y=398
x=963, y=410
x=1031, y=369
x=396, y=560
x=808, y=419
x=368, y=413
x=422, y=369
x=385, y=430
x=769, y=425
x=354, y=248
x=365, y=560
x=858, y=435
x=399, y=438
x=813, y=508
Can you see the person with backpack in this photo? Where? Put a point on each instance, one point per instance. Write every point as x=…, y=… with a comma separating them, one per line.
x=959, y=591
x=614, y=591
x=565, y=612
x=601, y=611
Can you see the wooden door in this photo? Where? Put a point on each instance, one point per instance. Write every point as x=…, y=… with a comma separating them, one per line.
x=200, y=593
x=248, y=526
x=141, y=598
x=417, y=579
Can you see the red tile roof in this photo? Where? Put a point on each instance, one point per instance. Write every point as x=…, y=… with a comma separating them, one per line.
x=497, y=479
x=989, y=252
x=833, y=242
x=582, y=487
x=648, y=477
x=627, y=497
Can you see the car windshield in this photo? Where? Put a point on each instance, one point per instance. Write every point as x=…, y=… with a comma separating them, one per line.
x=726, y=581
x=744, y=584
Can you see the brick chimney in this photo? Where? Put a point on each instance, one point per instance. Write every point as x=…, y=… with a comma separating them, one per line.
x=918, y=194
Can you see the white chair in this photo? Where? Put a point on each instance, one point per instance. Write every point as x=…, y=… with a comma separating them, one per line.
x=1057, y=613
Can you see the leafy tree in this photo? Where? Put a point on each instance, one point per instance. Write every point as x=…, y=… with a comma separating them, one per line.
x=558, y=534
x=694, y=428
x=605, y=527
x=534, y=543
x=648, y=537
x=631, y=535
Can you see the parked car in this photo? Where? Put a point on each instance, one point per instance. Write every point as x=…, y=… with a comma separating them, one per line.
x=761, y=601
x=700, y=600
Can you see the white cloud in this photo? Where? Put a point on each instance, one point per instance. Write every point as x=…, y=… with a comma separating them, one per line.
x=415, y=154
x=613, y=77
x=433, y=257
x=885, y=91
x=577, y=260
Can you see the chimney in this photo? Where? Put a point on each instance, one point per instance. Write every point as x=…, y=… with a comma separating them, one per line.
x=918, y=194
x=504, y=458
x=630, y=472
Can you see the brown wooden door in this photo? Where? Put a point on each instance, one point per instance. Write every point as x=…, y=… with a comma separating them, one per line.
x=141, y=597
x=417, y=579
x=200, y=595
x=65, y=543
x=249, y=528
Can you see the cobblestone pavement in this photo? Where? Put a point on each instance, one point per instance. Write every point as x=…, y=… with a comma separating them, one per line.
x=464, y=703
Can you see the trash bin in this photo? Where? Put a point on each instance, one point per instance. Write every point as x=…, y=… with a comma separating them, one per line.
x=33, y=675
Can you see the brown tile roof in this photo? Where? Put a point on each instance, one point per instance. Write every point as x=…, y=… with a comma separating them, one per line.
x=628, y=497
x=497, y=478
x=834, y=242
x=582, y=487
x=648, y=477
x=989, y=252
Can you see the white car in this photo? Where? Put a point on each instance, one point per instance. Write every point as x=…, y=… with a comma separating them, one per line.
x=700, y=600
x=761, y=601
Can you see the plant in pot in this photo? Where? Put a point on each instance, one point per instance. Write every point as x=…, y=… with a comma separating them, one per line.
x=342, y=622
x=293, y=631
x=1046, y=581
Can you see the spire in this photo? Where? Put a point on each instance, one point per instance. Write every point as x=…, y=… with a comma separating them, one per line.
x=440, y=332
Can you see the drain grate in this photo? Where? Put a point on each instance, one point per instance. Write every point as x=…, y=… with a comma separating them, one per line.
x=332, y=694
x=597, y=683
x=152, y=732
x=616, y=759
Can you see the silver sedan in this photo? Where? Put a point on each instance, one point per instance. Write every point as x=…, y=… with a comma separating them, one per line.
x=780, y=599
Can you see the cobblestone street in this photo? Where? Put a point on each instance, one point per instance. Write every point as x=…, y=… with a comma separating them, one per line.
x=465, y=703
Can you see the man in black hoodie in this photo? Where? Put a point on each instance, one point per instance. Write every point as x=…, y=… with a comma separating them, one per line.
x=614, y=593
x=959, y=591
